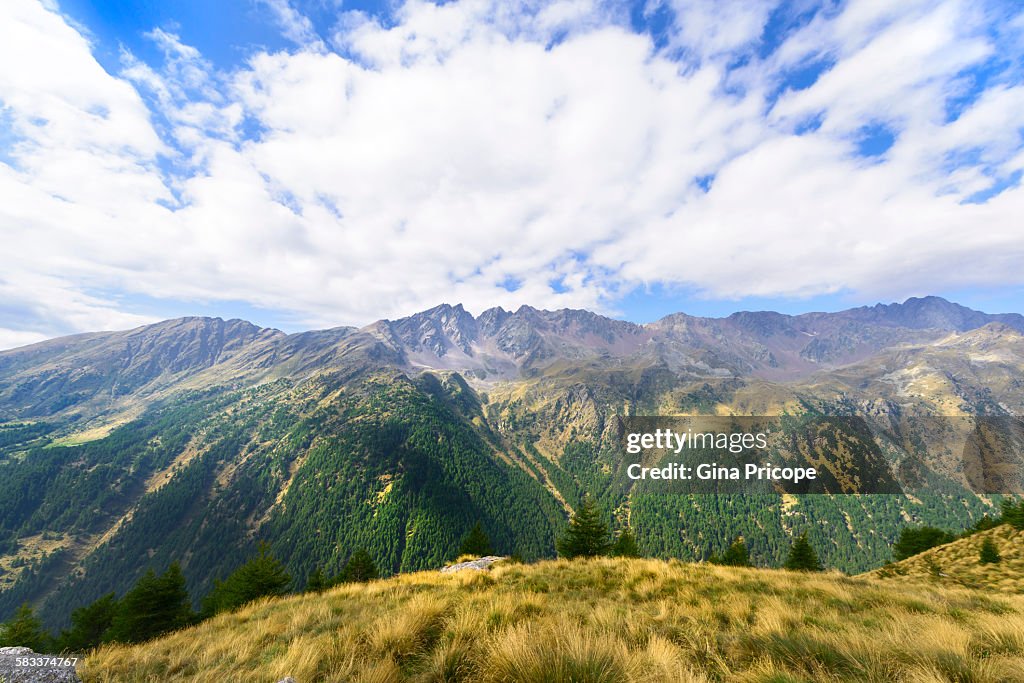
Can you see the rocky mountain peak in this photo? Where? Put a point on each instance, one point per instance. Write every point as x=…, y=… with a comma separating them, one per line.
x=932, y=312
x=437, y=330
x=491, y=320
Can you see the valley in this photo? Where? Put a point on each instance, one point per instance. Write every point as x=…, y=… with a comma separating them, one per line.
x=191, y=440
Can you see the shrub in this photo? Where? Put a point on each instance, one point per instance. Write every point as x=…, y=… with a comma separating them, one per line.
x=25, y=630
x=989, y=553
x=476, y=543
x=316, y=581
x=736, y=555
x=89, y=624
x=1013, y=514
x=360, y=567
x=625, y=545
x=983, y=524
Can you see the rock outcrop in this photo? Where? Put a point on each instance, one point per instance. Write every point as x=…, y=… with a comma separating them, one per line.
x=478, y=564
x=22, y=665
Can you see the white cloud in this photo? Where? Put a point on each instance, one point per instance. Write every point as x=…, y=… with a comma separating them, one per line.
x=10, y=339
x=294, y=26
x=50, y=303
x=712, y=28
x=477, y=144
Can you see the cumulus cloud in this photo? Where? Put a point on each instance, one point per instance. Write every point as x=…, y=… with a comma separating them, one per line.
x=501, y=153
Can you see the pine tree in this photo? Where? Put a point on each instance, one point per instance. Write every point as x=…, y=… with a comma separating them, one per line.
x=476, y=543
x=586, y=535
x=360, y=567
x=625, y=545
x=25, y=630
x=985, y=523
x=316, y=581
x=989, y=552
x=736, y=555
x=802, y=556
x=88, y=625
x=156, y=605
x=1013, y=514
x=262, y=576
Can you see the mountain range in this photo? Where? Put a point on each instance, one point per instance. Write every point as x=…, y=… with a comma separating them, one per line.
x=192, y=439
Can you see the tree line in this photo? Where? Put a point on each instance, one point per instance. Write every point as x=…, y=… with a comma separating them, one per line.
x=915, y=540
x=160, y=603
x=588, y=535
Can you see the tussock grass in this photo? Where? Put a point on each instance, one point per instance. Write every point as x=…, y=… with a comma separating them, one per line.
x=957, y=564
x=597, y=621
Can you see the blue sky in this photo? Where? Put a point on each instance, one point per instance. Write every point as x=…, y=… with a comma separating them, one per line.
x=310, y=163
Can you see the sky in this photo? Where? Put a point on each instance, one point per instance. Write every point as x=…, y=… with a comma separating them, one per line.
x=312, y=163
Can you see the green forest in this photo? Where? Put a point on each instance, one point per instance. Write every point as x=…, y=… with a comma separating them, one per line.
x=398, y=468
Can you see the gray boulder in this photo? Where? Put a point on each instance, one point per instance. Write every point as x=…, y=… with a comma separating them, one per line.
x=478, y=564
x=22, y=665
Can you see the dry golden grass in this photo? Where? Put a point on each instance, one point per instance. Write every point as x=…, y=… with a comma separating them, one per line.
x=606, y=620
x=99, y=431
x=956, y=563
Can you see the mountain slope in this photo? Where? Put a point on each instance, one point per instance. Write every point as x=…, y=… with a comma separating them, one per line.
x=321, y=469
x=957, y=563
x=603, y=620
x=932, y=312
x=398, y=437
x=91, y=373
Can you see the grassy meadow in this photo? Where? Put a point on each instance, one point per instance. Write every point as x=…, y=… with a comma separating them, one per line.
x=590, y=621
x=956, y=564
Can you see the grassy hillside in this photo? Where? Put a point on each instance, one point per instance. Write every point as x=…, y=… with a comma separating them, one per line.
x=957, y=563
x=600, y=620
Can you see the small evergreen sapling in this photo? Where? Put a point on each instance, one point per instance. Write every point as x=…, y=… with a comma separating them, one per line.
x=476, y=543
x=316, y=581
x=914, y=540
x=262, y=576
x=586, y=535
x=89, y=625
x=625, y=545
x=736, y=555
x=984, y=524
x=360, y=567
x=154, y=606
x=989, y=553
x=802, y=556
x=1013, y=514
